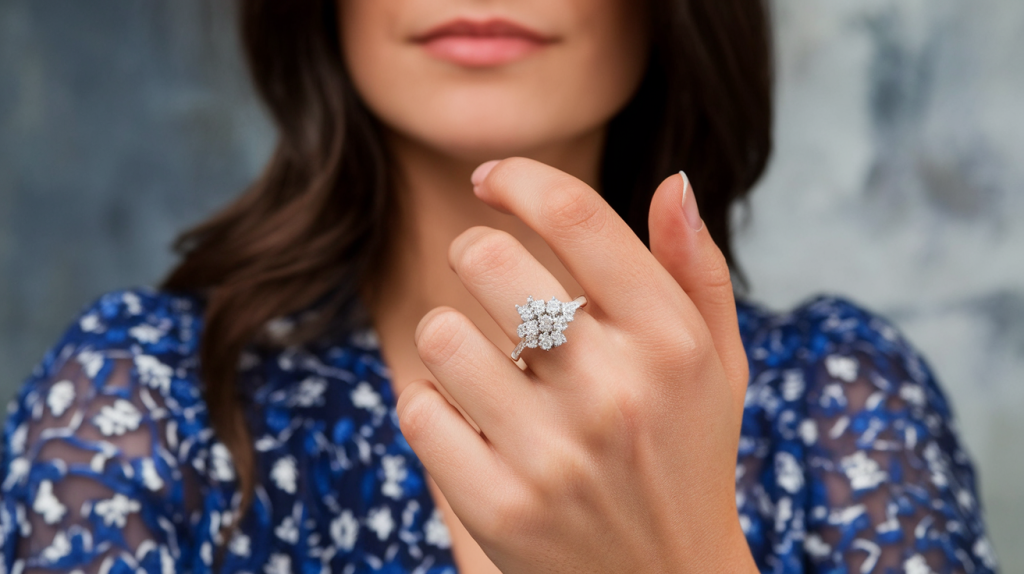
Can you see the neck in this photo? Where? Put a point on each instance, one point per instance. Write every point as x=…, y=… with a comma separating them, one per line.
x=437, y=203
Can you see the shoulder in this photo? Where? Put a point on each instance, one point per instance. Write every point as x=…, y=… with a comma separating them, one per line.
x=817, y=327
x=126, y=359
x=816, y=354
x=120, y=341
x=110, y=423
x=122, y=324
x=137, y=319
x=135, y=334
x=848, y=436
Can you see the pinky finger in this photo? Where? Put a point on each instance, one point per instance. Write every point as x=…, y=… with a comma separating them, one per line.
x=449, y=448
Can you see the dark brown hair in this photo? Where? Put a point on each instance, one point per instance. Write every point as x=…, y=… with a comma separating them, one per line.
x=313, y=230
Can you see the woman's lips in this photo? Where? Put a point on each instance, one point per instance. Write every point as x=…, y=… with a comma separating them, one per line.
x=476, y=44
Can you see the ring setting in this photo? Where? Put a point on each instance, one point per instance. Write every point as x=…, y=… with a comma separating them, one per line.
x=544, y=322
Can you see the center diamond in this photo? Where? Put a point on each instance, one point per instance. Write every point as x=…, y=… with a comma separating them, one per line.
x=543, y=322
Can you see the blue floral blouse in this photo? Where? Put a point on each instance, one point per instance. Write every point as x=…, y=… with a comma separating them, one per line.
x=849, y=459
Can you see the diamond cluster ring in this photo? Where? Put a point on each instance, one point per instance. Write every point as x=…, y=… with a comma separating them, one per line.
x=543, y=323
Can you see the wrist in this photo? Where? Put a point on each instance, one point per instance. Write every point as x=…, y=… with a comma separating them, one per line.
x=722, y=549
x=736, y=555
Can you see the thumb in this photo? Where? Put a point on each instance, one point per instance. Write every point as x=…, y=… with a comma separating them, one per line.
x=681, y=243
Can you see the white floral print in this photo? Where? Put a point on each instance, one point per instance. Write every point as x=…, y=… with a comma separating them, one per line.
x=115, y=510
x=58, y=548
x=91, y=362
x=436, y=531
x=150, y=476
x=836, y=397
x=146, y=333
x=345, y=530
x=862, y=471
x=90, y=323
x=842, y=368
x=153, y=373
x=47, y=505
x=279, y=564
x=365, y=397
x=916, y=564
x=309, y=392
x=789, y=473
x=221, y=466
x=394, y=474
x=285, y=474
x=240, y=544
x=118, y=418
x=61, y=395
x=379, y=520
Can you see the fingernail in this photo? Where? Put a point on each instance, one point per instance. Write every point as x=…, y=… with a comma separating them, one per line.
x=480, y=173
x=690, y=211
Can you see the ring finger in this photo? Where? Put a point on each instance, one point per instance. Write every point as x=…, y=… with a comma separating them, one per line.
x=471, y=372
x=500, y=273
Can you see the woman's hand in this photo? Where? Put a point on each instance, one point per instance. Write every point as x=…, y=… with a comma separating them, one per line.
x=616, y=451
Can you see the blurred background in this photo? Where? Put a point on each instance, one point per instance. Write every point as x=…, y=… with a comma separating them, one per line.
x=898, y=179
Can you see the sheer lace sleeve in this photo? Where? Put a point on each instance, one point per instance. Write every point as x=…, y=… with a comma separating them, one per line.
x=890, y=488
x=93, y=478
x=849, y=459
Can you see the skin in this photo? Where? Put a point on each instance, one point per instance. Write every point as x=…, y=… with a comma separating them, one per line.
x=615, y=451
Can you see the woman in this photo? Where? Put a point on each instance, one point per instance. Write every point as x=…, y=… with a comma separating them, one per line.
x=243, y=416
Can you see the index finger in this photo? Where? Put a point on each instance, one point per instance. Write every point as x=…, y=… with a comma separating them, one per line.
x=615, y=268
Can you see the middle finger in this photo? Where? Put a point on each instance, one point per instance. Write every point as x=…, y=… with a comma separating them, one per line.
x=613, y=266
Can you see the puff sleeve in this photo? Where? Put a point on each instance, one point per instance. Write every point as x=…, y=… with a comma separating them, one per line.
x=95, y=474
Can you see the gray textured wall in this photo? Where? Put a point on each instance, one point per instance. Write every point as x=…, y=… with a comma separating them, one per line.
x=897, y=181
x=121, y=122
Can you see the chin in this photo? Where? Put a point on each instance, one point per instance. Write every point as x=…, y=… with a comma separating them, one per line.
x=486, y=142
x=485, y=129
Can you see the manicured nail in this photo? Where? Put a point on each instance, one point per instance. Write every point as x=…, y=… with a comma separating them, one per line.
x=480, y=173
x=690, y=205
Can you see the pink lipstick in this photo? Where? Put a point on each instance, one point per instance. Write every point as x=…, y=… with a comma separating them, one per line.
x=482, y=44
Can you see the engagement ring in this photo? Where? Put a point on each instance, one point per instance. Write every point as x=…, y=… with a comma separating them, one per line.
x=543, y=323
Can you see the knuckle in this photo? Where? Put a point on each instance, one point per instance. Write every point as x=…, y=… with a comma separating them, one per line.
x=503, y=175
x=569, y=206
x=701, y=343
x=687, y=343
x=561, y=469
x=508, y=167
x=441, y=334
x=742, y=372
x=416, y=408
x=511, y=514
x=488, y=254
x=457, y=247
x=689, y=346
x=615, y=414
x=716, y=272
x=629, y=411
x=705, y=353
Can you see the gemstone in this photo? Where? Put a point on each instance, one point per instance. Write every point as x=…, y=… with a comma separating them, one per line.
x=544, y=322
x=532, y=328
x=557, y=338
x=538, y=307
x=554, y=306
x=545, y=341
x=525, y=313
